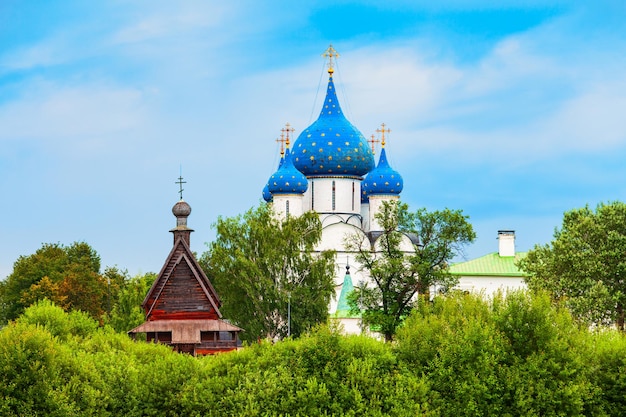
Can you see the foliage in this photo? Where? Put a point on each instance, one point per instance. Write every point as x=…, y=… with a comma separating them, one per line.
x=66, y=275
x=608, y=371
x=584, y=265
x=399, y=267
x=458, y=355
x=127, y=313
x=514, y=356
x=59, y=323
x=261, y=267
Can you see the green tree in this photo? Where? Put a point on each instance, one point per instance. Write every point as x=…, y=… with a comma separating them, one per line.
x=409, y=257
x=510, y=356
x=263, y=267
x=584, y=265
x=127, y=312
x=67, y=275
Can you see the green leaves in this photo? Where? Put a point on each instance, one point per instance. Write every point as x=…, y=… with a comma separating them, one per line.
x=263, y=267
x=511, y=356
x=67, y=275
x=584, y=265
x=459, y=355
x=401, y=267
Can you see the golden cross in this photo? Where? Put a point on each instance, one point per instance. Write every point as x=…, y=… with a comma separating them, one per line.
x=286, y=131
x=330, y=53
x=383, y=131
x=282, y=141
x=373, y=141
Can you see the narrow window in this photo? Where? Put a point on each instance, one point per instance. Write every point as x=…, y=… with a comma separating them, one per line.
x=287, y=208
x=333, y=195
x=312, y=196
x=352, y=195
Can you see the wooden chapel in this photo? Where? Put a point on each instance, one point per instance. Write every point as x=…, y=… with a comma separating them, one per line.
x=182, y=307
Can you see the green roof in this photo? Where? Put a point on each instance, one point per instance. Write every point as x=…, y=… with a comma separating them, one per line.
x=490, y=265
x=343, y=308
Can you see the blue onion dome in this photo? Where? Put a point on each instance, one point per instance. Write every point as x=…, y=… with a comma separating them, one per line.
x=267, y=196
x=382, y=180
x=287, y=180
x=332, y=146
x=365, y=197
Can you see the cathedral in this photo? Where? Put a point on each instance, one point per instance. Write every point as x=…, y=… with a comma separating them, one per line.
x=331, y=169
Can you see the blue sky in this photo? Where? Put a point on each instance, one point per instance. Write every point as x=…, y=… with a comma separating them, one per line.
x=512, y=112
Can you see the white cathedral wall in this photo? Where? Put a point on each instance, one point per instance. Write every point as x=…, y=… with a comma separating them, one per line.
x=350, y=325
x=333, y=238
x=406, y=245
x=344, y=197
x=284, y=204
x=365, y=215
x=375, y=204
x=489, y=285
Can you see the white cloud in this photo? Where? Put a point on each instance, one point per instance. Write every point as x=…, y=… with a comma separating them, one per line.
x=592, y=121
x=45, y=53
x=76, y=117
x=172, y=19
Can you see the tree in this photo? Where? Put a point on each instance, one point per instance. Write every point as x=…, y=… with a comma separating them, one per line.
x=513, y=355
x=266, y=270
x=400, y=267
x=585, y=264
x=66, y=275
x=127, y=312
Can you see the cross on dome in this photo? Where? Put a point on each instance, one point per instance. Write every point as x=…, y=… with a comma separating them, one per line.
x=287, y=131
x=383, y=131
x=180, y=182
x=373, y=141
x=331, y=54
x=282, y=141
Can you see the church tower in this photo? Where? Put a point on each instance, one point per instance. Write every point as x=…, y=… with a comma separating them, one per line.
x=287, y=185
x=334, y=156
x=325, y=172
x=381, y=184
x=182, y=307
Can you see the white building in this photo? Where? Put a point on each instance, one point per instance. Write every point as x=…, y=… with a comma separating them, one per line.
x=331, y=170
x=493, y=272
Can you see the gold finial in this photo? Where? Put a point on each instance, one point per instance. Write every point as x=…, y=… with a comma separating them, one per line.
x=331, y=54
x=282, y=143
x=287, y=131
x=373, y=141
x=383, y=131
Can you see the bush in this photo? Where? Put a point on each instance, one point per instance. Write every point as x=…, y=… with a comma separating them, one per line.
x=55, y=320
x=515, y=355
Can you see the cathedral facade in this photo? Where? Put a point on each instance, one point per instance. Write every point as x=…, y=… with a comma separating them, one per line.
x=331, y=170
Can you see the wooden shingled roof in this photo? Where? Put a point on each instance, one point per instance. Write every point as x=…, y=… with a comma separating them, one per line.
x=182, y=289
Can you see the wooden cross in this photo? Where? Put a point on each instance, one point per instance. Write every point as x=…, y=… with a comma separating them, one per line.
x=383, y=131
x=373, y=141
x=331, y=54
x=180, y=183
x=287, y=131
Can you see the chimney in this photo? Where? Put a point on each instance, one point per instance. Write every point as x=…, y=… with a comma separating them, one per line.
x=506, y=242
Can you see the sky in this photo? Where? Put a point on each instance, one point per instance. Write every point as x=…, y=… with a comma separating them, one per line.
x=512, y=111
